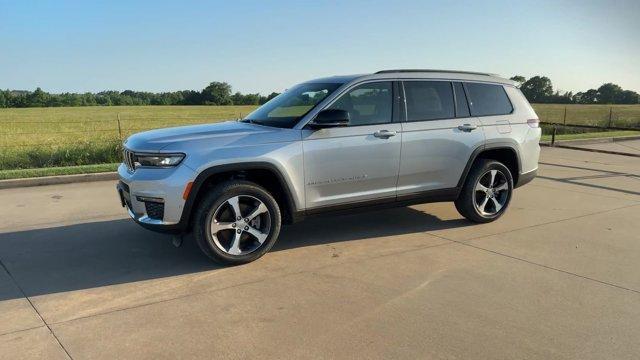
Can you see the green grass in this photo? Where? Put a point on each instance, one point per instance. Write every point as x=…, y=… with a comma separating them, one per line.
x=51, y=171
x=597, y=115
x=49, y=137
x=64, y=138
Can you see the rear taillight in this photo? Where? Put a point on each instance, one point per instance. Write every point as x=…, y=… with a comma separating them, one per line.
x=534, y=123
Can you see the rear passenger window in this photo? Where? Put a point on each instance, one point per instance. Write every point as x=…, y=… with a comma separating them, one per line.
x=429, y=100
x=488, y=99
x=462, y=107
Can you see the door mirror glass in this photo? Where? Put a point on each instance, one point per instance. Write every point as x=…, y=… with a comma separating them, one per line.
x=330, y=118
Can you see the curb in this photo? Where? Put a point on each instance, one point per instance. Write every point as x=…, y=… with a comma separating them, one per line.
x=58, y=179
x=592, y=141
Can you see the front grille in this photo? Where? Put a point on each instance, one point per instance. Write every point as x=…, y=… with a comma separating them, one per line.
x=129, y=160
x=155, y=210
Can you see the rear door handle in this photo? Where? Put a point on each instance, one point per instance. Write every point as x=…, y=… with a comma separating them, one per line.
x=384, y=134
x=467, y=127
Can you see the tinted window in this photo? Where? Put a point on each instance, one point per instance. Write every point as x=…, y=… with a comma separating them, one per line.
x=462, y=108
x=487, y=99
x=428, y=100
x=367, y=104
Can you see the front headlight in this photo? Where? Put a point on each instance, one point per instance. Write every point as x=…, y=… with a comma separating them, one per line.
x=158, y=160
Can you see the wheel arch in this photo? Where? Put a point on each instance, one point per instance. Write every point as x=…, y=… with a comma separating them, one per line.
x=264, y=174
x=504, y=152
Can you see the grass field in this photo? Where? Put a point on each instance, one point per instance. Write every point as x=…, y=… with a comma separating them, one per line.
x=597, y=115
x=50, y=137
x=63, y=137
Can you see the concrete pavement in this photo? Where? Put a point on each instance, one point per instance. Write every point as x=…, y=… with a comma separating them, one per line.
x=626, y=146
x=557, y=277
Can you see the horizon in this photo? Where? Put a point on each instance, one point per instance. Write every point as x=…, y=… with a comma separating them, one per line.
x=161, y=46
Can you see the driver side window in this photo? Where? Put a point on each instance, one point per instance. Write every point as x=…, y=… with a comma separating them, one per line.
x=367, y=104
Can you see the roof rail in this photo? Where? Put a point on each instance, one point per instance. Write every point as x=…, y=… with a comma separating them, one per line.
x=432, y=70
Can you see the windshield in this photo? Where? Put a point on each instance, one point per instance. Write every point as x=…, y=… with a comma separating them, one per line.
x=286, y=109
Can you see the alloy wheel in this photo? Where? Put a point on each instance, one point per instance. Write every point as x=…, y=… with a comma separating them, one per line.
x=491, y=192
x=240, y=225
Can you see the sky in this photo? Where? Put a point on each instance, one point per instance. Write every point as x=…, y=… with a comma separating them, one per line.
x=265, y=46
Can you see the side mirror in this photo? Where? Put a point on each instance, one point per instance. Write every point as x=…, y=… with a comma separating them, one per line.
x=330, y=118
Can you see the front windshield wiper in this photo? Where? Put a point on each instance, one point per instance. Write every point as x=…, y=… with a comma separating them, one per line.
x=252, y=121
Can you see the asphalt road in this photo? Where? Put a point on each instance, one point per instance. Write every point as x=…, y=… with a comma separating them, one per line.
x=558, y=277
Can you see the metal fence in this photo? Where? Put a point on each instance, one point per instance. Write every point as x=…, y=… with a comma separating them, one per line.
x=30, y=142
x=35, y=133
x=602, y=116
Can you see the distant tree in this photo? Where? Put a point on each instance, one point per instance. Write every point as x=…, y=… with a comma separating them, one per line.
x=608, y=93
x=237, y=98
x=588, y=97
x=38, y=98
x=217, y=93
x=191, y=97
x=537, y=89
x=625, y=97
x=519, y=79
x=4, y=102
x=251, y=99
x=560, y=98
x=264, y=99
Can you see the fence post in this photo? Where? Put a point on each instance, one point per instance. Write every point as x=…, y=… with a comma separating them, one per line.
x=119, y=128
x=564, y=118
x=553, y=135
x=610, y=115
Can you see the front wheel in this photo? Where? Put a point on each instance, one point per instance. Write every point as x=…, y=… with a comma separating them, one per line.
x=237, y=222
x=486, y=193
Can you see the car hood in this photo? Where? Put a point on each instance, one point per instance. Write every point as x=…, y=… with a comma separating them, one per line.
x=228, y=133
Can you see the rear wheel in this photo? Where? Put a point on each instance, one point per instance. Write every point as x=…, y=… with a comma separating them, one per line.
x=237, y=222
x=486, y=193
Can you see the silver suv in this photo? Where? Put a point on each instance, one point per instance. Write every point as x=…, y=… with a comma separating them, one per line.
x=342, y=143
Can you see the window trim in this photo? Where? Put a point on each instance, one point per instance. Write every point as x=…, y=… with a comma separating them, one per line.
x=347, y=90
x=464, y=84
x=455, y=99
x=406, y=108
x=303, y=124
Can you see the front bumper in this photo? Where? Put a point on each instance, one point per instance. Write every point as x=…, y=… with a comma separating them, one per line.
x=153, y=196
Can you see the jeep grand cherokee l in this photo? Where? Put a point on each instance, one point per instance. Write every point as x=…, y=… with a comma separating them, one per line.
x=392, y=138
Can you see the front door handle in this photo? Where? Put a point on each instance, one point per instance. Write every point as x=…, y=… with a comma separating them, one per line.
x=467, y=127
x=384, y=134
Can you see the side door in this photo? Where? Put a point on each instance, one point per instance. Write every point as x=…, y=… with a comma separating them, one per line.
x=358, y=162
x=439, y=135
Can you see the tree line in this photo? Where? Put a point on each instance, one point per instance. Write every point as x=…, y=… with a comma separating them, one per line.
x=539, y=89
x=216, y=93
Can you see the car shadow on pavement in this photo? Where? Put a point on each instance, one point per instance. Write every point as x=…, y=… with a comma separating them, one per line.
x=89, y=255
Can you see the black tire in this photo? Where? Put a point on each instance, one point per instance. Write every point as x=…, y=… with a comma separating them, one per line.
x=467, y=201
x=218, y=196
